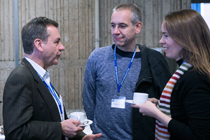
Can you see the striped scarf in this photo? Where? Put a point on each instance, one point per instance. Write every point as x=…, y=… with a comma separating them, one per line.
x=161, y=132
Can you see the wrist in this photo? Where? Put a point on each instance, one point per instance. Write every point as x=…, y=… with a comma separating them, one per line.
x=163, y=118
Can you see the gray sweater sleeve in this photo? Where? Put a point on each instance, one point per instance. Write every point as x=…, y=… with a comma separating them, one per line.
x=89, y=92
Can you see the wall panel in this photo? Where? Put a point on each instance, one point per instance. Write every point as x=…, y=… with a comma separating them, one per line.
x=4, y=73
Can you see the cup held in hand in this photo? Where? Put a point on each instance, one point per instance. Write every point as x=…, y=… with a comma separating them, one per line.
x=78, y=116
x=139, y=98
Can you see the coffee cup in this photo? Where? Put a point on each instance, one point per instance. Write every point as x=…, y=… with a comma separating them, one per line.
x=78, y=116
x=139, y=98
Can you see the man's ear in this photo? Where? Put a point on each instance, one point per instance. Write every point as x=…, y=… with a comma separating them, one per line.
x=38, y=43
x=138, y=27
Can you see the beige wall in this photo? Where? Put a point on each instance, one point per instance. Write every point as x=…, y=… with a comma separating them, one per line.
x=76, y=20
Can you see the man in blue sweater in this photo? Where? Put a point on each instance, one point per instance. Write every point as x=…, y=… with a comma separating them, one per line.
x=113, y=73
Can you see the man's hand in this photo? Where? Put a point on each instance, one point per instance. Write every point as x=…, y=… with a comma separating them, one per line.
x=69, y=127
x=92, y=137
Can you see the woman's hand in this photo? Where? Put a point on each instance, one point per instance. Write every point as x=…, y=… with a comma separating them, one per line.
x=153, y=100
x=147, y=108
x=150, y=109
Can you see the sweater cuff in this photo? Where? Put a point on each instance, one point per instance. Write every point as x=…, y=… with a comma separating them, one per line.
x=179, y=129
x=174, y=127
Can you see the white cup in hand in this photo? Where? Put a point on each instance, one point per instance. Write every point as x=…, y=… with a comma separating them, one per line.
x=78, y=116
x=139, y=98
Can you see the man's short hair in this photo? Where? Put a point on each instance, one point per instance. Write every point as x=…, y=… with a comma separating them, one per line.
x=35, y=29
x=135, y=11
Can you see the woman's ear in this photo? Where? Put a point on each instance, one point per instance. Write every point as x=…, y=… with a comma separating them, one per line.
x=38, y=43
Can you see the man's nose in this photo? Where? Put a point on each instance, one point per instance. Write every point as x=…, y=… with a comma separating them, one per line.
x=116, y=30
x=61, y=47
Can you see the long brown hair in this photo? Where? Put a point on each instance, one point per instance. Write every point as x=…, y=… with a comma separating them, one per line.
x=188, y=28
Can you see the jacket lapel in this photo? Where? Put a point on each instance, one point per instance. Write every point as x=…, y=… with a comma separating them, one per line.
x=145, y=73
x=44, y=92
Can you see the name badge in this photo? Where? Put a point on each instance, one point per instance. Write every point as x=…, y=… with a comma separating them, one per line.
x=118, y=103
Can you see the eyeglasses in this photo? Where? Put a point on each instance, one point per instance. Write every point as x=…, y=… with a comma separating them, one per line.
x=120, y=26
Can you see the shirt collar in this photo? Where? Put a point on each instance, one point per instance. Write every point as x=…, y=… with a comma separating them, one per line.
x=42, y=72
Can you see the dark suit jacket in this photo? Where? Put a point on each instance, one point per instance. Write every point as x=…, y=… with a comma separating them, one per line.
x=29, y=110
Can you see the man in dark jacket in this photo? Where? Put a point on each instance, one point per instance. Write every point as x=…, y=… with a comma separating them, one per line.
x=32, y=109
x=115, y=72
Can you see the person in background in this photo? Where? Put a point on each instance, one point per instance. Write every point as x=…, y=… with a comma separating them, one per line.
x=184, y=112
x=32, y=109
x=113, y=73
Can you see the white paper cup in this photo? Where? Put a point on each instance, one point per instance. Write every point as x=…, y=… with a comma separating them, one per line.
x=78, y=116
x=139, y=98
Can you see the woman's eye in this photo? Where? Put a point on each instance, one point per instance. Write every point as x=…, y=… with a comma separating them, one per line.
x=165, y=35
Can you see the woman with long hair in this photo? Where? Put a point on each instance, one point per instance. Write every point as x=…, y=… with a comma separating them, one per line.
x=183, y=111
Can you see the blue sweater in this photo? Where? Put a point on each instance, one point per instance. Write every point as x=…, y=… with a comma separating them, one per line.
x=100, y=87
